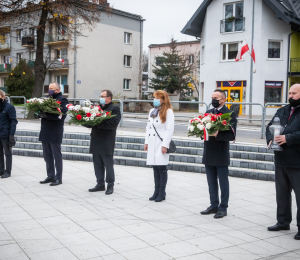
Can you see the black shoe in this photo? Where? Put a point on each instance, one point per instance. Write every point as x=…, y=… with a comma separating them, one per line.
x=97, y=188
x=55, y=183
x=110, y=190
x=297, y=236
x=209, y=210
x=5, y=175
x=155, y=194
x=278, y=228
x=47, y=180
x=221, y=214
x=1, y=173
x=160, y=198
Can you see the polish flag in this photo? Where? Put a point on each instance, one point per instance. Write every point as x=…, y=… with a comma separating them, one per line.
x=62, y=60
x=253, y=53
x=243, y=48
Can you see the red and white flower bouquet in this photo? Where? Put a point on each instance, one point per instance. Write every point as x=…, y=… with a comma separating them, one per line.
x=208, y=124
x=44, y=105
x=87, y=115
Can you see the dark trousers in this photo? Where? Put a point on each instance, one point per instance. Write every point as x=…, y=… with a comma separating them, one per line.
x=286, y=180
x=4, y=150
x=52, y=156
x=104, y=162
x=214, y=173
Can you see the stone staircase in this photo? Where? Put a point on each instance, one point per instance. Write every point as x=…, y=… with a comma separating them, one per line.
x=247, y=161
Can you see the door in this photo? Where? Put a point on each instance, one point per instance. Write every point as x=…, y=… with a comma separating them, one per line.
x=234, y=94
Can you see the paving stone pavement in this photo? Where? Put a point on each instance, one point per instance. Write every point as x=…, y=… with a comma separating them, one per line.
x=67, y=222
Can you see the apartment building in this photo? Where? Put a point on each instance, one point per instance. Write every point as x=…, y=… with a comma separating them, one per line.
x=108, y=57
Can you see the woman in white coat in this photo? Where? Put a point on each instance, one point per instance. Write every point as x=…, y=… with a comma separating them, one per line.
x=160, y=129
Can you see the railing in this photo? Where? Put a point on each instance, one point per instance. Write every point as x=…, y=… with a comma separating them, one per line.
x=51, y=38
x=5, y=67
x=22, y=97
x=5, y=46
x=56, y=64
x=295, y=65
x=28, y=41
x=234, y=25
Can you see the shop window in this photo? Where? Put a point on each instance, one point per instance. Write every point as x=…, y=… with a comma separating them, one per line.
x=273, y=91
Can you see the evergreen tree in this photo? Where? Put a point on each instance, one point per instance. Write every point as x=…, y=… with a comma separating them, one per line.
x=20, y=81
x=172, y=70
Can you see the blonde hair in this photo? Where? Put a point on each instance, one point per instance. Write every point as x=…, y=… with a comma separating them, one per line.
x=164, y=106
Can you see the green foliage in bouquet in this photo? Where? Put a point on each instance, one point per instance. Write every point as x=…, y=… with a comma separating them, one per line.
x=38, y=105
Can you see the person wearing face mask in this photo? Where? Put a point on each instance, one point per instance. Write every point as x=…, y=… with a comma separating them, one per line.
x=51, y=135
x=102, y=145
x=216, y=159
x=287, y=164
x=8, y=123
x=159, y=132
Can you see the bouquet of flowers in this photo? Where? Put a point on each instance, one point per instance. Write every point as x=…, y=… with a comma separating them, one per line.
x=87, y=115
x=44, y=105
x=209, y=124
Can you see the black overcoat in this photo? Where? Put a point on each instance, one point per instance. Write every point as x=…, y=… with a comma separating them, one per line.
x=290, y=155
x=103, y=136
x=52, y=127
x=8, y=120
x=216, y=149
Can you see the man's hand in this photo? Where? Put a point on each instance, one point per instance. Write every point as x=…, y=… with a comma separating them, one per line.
x=164, y=150
x=269, y=144
x=12, y=141
x=215, y=134
x=280, y=139
x=146, y=147
x=36, y=116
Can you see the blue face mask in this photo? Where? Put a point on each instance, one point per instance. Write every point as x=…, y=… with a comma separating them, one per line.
x=51, y=92
x=102, y=101
x=156, y=102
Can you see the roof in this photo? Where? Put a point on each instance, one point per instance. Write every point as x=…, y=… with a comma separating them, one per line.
x=126, y=14
x=286, y=10
x=177, y=43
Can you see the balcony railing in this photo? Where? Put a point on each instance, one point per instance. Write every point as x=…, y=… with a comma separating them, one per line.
x=232, y=25
x=295, y=65
x=56, y=64
x=31, y=64
x=5, y=68
x=52, y=38
x=28, y=41
x=5, y=46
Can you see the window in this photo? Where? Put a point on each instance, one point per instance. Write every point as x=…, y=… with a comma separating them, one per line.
x=191, y=59
x=32, y=31
x=203, y=55
x=61, y=29
x=126, y=84
x=62, y=80
x=233, y=15
x=20, y=34
x=274, y=49
x=19, y=57
x=62, y=54
x=159, y=61
x=32, y=56
x=273, y=91
x=127, y=60
x=6, y=59
x=229, y=51
x=127, y=38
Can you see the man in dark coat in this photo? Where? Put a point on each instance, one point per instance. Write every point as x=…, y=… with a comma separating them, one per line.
x=52, y=129
x=102, y=145
x=8, y=123
x=287, y=163
x=216, y=159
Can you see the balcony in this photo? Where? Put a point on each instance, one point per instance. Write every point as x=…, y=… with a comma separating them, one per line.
x=5, y=46
x=58, y=65
x=28, y=41
x=232, y=24
x=5, y=68
x=51, y=39
x=31, y=64
x=295, y=65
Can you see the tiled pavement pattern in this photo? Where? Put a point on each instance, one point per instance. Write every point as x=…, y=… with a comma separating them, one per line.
x=67, y=222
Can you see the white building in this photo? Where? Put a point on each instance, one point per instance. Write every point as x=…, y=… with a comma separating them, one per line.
x=221, y=25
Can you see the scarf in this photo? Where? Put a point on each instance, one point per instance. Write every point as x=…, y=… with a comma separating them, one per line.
x=155, y=112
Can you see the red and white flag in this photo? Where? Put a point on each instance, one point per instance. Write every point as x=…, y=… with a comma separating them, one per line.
x=243, y=48
x=253, y=53
x=62, y=60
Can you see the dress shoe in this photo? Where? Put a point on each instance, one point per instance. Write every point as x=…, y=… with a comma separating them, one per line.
x=297, y=236
x=55, y=183
x=5, y=175
x=278, y=228
x=97, y=188
x=221, y=214
x=110, y=190
x=47, y=180
x=209, y=210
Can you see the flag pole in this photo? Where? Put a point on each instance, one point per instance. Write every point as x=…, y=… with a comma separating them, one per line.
x=251, y=67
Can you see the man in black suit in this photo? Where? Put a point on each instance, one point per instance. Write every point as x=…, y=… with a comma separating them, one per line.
x=102, y=145
x=216, y=159
x=287, y=165
x=51, y=135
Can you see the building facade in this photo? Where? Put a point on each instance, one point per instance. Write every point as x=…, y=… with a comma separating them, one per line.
x=108, y=57
x=222, y=24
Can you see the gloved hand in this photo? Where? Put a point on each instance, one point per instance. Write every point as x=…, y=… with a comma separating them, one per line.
x=36, y=116
x=12, y=141
x=42, y=115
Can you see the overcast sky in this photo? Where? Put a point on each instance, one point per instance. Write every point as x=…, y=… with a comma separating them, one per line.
x=164, y=18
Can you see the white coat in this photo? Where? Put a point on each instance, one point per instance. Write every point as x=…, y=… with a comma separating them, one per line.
x=165, y=130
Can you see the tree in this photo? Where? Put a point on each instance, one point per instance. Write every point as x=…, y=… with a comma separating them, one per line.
x=20, y=81
x=172, y=70
x=72, y=16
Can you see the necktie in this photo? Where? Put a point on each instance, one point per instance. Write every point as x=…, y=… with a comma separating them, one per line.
x=292, y=111
x=216, y=111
